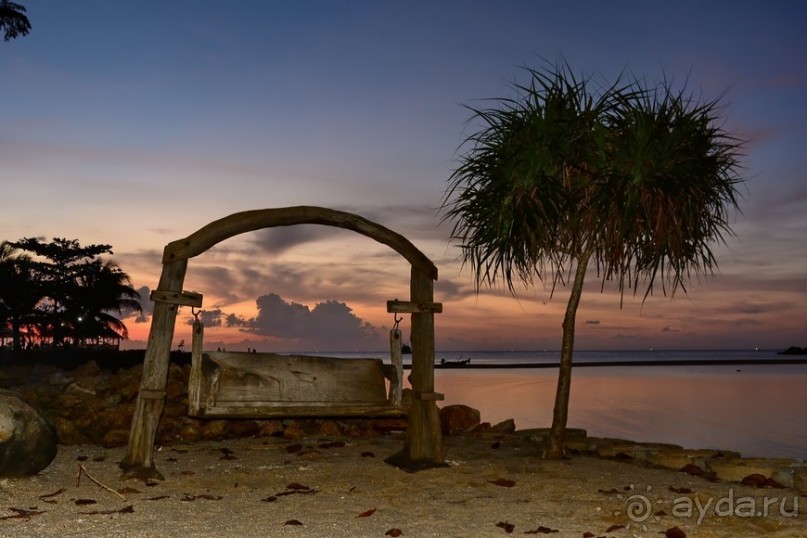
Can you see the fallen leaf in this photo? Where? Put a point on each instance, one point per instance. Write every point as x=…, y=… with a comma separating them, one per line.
x=368, y=513
x=675, y=532
x=82, y=458
x=367, y=454
x=22, y=514
x=269, y=499
x=296, y=485
x=503, y=482
x=125, y=510
x=293, y=522
x=680, y=490
x=613, y=528
x=99, y=459
x=48, y=497
x=172, y=460
x=187, y=473
x=227, y=454
x=508, y=527
x=127, y=489
x=542, y=530
x=84, y=502
x=188, y=497
x=394, y=533
x=158, y=498
x=612, y=491
x=332, y=444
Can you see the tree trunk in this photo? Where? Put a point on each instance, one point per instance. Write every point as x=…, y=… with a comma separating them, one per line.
x=560, y=416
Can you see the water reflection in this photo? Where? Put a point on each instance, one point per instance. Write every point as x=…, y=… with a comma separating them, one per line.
x=758, y=411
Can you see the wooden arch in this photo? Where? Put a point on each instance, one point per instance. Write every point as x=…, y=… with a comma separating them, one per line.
x=423, y=446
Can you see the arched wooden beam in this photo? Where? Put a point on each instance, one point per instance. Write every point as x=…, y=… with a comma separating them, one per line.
x=248, y=221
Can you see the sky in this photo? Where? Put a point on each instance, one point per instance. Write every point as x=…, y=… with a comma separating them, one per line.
x=136, y=123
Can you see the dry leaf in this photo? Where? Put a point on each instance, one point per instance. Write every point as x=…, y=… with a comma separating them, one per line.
x=125, y=510
x=368, y=513
x=55, y=493
x=542, y=530
x=680, y=490
x=675, y=532
x=84, y=502
x=22, y=514
x=293, y=522
x=613, y=528
x=503, y=482
x=394, y=533
x=508, y=527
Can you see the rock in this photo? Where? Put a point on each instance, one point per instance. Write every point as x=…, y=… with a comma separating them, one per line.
x=329, y=428
x=736, y=469
x=293, y=431
x=88, y=369
x=505, y=426
x=458, y=418
x=270, y=428
x=117, y=437
x=27, y=440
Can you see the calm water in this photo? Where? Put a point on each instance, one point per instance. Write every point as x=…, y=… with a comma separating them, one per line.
x=758, y=410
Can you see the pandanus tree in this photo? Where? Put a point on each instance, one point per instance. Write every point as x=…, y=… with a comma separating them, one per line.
x=573, y=177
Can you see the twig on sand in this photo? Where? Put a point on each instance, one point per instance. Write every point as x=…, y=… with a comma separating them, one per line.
x=81, y=469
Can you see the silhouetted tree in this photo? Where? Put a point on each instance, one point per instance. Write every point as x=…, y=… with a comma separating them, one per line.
x=79, y=291
x=20, y=292
x=13, y=21
x=637, y=181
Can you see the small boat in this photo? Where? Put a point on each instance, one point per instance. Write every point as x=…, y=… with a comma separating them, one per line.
x=455, y=364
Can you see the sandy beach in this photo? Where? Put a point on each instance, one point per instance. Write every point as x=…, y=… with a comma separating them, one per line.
x=493, y=485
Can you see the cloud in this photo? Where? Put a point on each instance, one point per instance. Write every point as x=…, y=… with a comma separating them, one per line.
x=145, y=303
x=330, y=324
x=210, y=318
x=277, y=240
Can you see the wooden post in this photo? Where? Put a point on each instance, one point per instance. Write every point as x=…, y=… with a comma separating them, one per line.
x=195, y=377
x=139, y=461
x=396, y=357
x=424, y=442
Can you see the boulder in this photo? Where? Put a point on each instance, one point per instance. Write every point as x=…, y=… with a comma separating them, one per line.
x=458, y=418
x=27, y=440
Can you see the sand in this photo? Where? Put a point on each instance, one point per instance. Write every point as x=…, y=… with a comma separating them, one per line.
x=492, y=486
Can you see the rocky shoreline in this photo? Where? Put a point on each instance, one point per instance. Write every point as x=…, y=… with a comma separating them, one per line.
x=93, y=405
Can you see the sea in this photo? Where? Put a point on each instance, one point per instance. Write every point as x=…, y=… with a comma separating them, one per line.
x=739, y=400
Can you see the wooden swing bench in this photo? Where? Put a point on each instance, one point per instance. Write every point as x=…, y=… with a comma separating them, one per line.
x=264, y=385
x=225, y=384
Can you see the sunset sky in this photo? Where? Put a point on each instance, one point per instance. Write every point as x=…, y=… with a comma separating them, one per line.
x=136, y=123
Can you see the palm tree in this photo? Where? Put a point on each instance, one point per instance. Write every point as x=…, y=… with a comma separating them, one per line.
x=20, y=291
x=102, y=288
x=636, y=181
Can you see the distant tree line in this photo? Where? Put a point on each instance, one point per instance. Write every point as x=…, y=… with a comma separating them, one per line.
x=62, y=294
